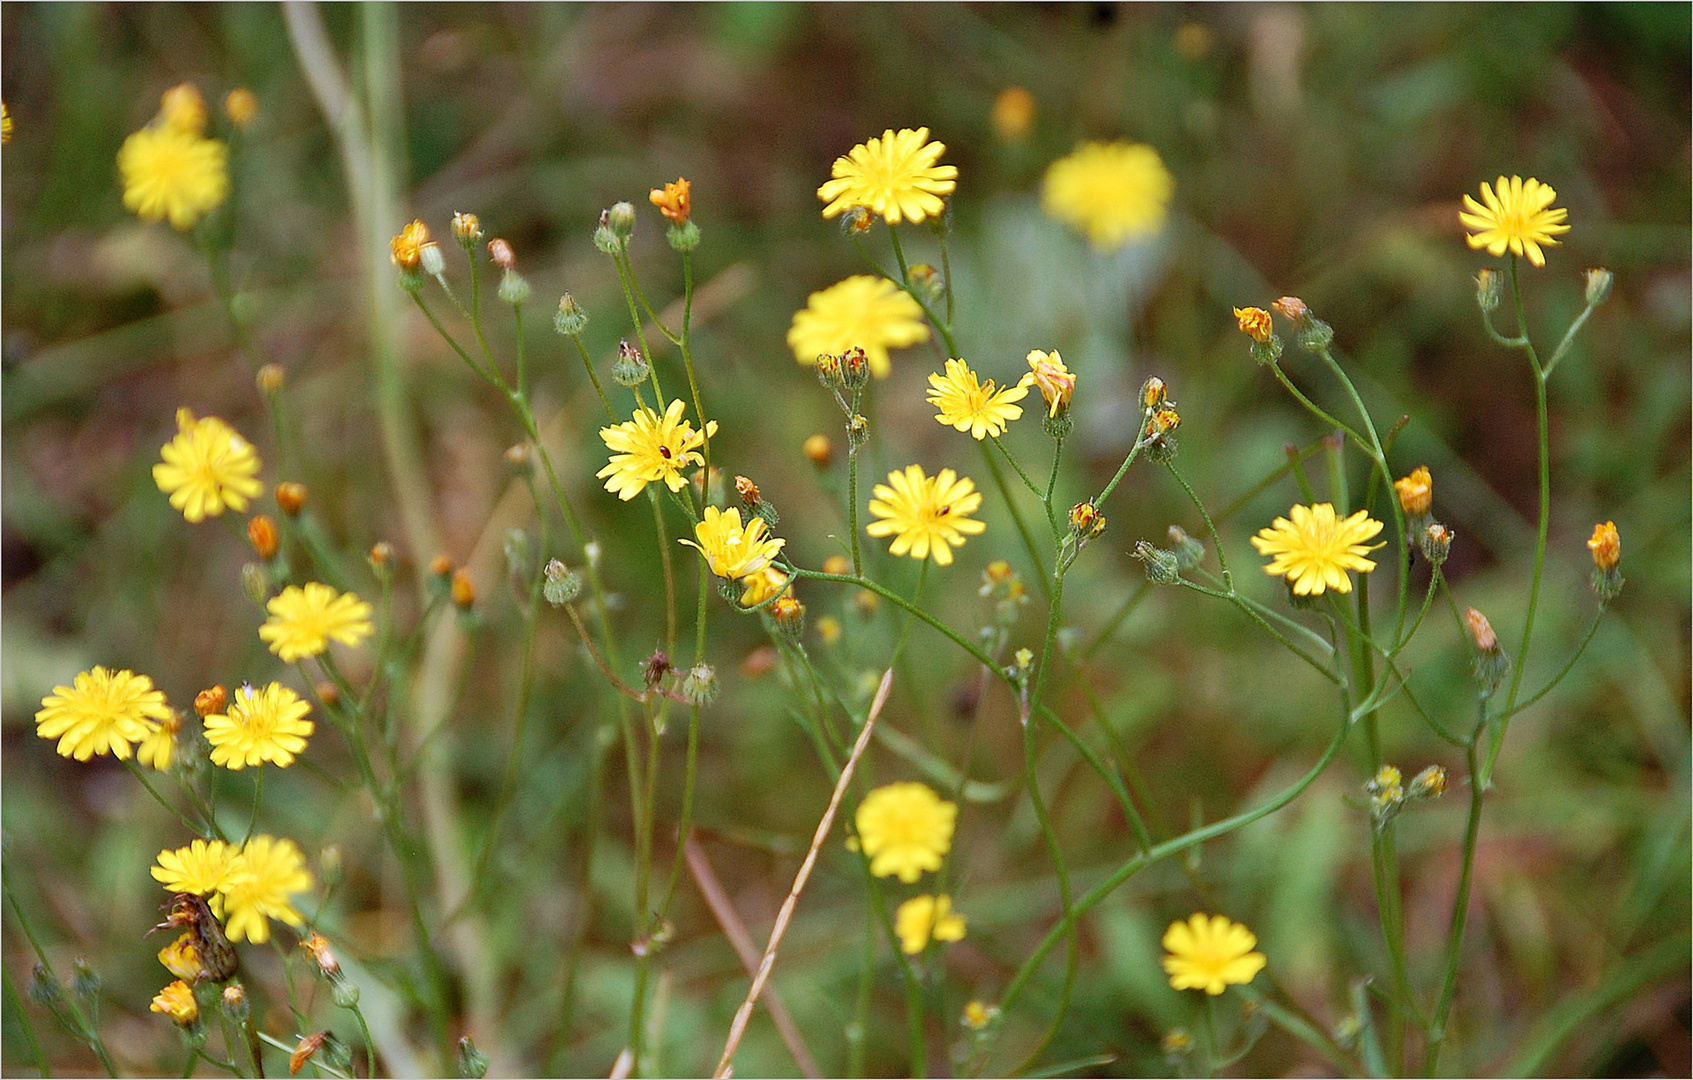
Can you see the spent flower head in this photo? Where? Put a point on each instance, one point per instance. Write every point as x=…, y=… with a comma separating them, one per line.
x=894, y=177
x=905, y=829
x=731, y=550
x=1055, y=381
x=673, y=200
x=1112, y=193
x=1209, y=952
x=102, y=712
x=303, y=620
x=968, y=404
x=1516, y=214
x=870, y=312
x=651, y=449
x=267, y=725
x=926, y=515
x=207, y=467
x=1316, y=548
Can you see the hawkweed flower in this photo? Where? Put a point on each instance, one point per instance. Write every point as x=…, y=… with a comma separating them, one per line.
x=207, y=467
x=970, y=405
x=271, y=871
x=158, y=749
x=204, y=868
x=1428, y=784
x=1255, y=323
x=1208, y=952
x=101, y=712
x=1415, y=491
x=1111, y=193
x=1055, y=381
x=172, y=172
x=241, y=105
x=926, y=515
x=1386, y=790
x=177, y=1002
x=406, y=249
x=870, y=312
x=1606, y=546
x=1316, y=548
x=905, y=829
x=730, y=550
x=1517, y=214
x=267, y=725
x=673, y=200
x=923, y=919
x=894, y=177
x=182, y=958
x=652, y=449
x=303, y=620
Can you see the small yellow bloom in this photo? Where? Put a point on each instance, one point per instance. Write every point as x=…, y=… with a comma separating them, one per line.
x=182, y=958
x=204, y=868
x=969, y=405
x=1013, y=113
x=894, y=177
x=267, y=725
x=272, y=870
x=925, y=514
x=1518, y=214
x=169, y=172
x=1209, y=952
x=207, y=467
x=730, y=550
x=763, y=585
x=905, y=829
x=406, y=249
x=1606, y=546
x=977, y=1016
x=1255, y=324
x=1111, y=193
x=648, y=449
x=1416, y=491
x=241, y=106
x=673, y=200
x=1316, y=549
x=869, y=312
x=102, y=712
x=1055, y=381
x=304, y=619
x=922, y=919
x=177, y=1002
x=159, y=747
x=184, y=109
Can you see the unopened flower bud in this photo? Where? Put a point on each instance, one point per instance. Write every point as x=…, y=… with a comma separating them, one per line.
x=291, y=497
x=1086, y=522
x=684, y=237
x=1415, y=491
x=655, y=667
x=789, y=615
x=630, y=368
x=328, y=693
x=472, y=1063
x=559, y=584
x=1188, y=551
x=305, y=1050
x=747, y=490
x=837, y=564
x=829, y=369
x=858, y=431
x=1599, y=284
x=700, y=684
x=1162, y=567
x=857, y=221
x=270, y=379
x=441, y=566
x=926, y=281
x=1255, y=323
x=819, y=450
x=235, y=1003
x=464, y=592
x=1293, y=308
x=44, y=988
x=467, y=230
x=866, y=603
x=382, y=560
x=977, y=1016
x=1491, y=663
x=1606, y=546
x=570, y=319
x=829, y=630
x=1435, y=543
x=1387, y=794
x=621, y=219
x=241, y=106
x=604, y=238
x=1428, y=784
x=1177, y=1044
x=855, y=368
x=1489, y=290
x=210, y=702
x=514, y=288
x=85, y=981
x=1153, y=394
x=331, y=863
x=255, y=583
x=261, y=531
x=431, y=261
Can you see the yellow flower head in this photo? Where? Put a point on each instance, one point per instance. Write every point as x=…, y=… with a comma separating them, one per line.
x=1056, y=382
x=177, y=1002
x=170, y=172
x=260, y=726
x=894, y=177
x=648, y=449
x=1111, y=193
x=1255, y=324
x=973, y=406
x=1316, y=549
x=159, y=747
x=207, y=467
x=1605, y=544
x=204, y=868
x=905, y=829
x=731, y=551
x=102, y=712
x=869, y=312
x=303, y=619
x=925, y=514
x=923, y=919
x=673, y=200
x=182, y=958
x=406, y=250
x=184, y=109
x=763, y=585
x=1416, y=491
x=1518, y=214
x=241, y=105
x=272, y=871
x=1209, y=952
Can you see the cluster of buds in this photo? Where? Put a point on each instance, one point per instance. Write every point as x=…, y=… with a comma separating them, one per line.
x=1389, y=794
x=1606, y=546
x=1491, y=663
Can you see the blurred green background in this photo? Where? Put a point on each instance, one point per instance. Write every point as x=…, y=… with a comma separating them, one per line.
x=1317, y=150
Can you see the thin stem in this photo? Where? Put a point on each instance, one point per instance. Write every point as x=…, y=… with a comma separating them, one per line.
x=1460, y=907
x=1017, y=515
x=1592, y=628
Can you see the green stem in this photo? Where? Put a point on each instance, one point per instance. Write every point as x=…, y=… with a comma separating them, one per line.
x=1017, y=515
x=85, y=1031
x=1460, y=904
x=17, y=1002
x=1592, y=628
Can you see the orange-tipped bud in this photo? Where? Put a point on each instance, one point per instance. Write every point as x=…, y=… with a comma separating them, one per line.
x=210, y=702
x=464, y=593
x=1606, y=546
x=747, y=490
x=291, y=496
x=1416, y=491
x=820, y=451
x=441, y=566
x=261, y=530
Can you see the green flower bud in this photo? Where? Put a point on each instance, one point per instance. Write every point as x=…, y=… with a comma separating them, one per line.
x=571, y=319
x=1599, y=283
x=559, y=584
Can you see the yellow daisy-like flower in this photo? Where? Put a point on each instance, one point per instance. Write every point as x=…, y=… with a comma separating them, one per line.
x=102, y=712
x=177, y=1002
x=204, y=868
x=1518, y=214
x=207, y=467
x=1316, y=549
x=171, y=172
x=406, y=250
x=648, y=449
x=1055, y=381
x=1209, y=952
x=182, y=958
x=894, y=177
x=763, y=585
x=260, y=726
x=1111, y=193
x=303, y=619
x=273, y=871
x=925, y=514
x=159, y=747
x=869, y=312
x=923, y=919
x=973, y=406
x=905, y=829
x=730, y=550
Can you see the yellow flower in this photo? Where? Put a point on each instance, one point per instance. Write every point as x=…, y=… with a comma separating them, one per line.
x=1605, y=544
x=1110, y=192
x=102, y=712
x=1056, y=382
x=732, y=551
x=894, y=177
x=182, y=958
x=925, y=513
x=922, y=919
x=272, y=871
x=159, y=747
x=905, y=829
x=241, y=105
x=1210, y=952
x=869, y=312
x=648, y=449
x=207, y=467
x=673, y=200
x=204, y=868
x=177, y=1002
x=1416, y=491
x=184, y=109
x=303, y=619
x=260, y=726
x=972, y=406
x=5, y=124
x=762, y=586
x=1316, y=549
x=406, y=250
x=1255, y=324
x=169, y=172
x=1518, y=215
